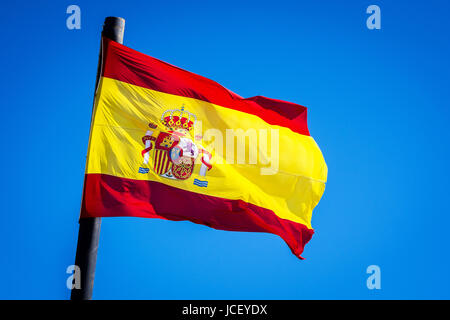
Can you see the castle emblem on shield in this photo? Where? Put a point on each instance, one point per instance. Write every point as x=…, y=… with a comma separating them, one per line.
x=172, y=151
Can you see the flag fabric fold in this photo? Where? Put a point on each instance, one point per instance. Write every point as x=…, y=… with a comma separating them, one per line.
x=166, y=143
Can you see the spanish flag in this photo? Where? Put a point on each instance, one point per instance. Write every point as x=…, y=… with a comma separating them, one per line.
x=166, y=143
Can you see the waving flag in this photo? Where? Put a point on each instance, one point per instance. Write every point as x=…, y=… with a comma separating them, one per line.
x=166, y=143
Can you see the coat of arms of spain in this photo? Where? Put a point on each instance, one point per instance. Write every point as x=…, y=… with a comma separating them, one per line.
x=172, y=150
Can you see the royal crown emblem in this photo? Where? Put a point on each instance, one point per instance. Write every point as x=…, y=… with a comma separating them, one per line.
x=178, y=119
x=171, y=151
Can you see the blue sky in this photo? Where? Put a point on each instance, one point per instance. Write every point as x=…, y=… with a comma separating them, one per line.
x=378, y=108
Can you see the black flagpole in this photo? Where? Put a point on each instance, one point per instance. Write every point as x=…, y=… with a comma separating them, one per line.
x=89, y=232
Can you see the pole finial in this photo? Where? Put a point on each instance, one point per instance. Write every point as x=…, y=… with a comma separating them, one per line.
x=113, y=28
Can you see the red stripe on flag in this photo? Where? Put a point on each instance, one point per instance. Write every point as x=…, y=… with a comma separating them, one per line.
x=150, y=199
x=130, y=66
